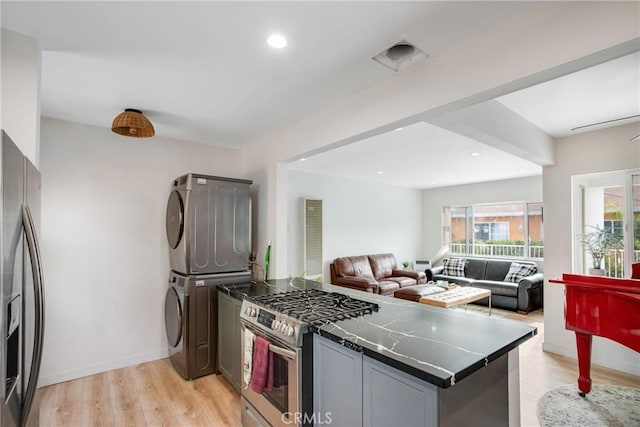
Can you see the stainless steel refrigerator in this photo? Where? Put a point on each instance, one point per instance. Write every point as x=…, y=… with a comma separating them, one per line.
x=22, y=308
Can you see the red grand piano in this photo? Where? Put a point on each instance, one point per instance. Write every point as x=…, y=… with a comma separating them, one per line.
x=603, y=306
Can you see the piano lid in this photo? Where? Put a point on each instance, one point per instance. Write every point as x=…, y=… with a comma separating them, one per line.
x=599, y=282
x=605, y=306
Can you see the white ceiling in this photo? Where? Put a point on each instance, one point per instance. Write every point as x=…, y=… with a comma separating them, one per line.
x=421, y=155
x=608, y=91
x=201, y=71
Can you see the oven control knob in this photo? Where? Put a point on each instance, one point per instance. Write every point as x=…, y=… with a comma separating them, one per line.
x=275, y=324
x=283, y=327
x=253, y=312
x=290, y=331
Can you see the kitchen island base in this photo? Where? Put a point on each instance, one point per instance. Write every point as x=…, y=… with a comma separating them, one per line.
x=389, y=396
x=404, y=363
x=229, y=338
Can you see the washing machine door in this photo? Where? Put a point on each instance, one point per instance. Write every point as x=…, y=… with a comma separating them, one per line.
x=173, y=316
x=175, y=219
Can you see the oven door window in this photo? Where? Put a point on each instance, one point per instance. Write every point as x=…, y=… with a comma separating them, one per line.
x=279, y=395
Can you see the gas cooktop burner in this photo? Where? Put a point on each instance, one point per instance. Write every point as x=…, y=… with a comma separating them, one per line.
x=316, y=307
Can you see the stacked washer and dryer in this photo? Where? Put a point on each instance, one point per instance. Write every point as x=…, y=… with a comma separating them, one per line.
x=209, y=235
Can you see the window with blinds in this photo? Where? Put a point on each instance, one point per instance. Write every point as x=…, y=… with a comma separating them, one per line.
x=312, y=238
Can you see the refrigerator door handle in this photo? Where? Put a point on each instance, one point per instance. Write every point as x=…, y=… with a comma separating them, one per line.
x=36, y=268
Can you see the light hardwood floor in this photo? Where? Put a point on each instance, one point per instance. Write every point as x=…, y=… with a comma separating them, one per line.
x=541, y=371
x=152, y=394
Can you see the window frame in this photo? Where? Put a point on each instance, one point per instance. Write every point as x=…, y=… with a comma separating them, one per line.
x=473, y=248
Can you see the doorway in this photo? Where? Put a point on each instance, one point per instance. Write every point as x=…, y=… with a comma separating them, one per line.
x=608, y=203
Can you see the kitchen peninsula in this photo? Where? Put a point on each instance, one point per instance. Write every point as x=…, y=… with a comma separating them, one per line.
x=406, y=363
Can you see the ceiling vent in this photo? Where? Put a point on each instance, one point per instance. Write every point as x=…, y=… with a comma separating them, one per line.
x=400, y=56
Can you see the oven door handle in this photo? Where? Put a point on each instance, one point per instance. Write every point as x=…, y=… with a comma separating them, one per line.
x=282, y=351
x=272, y=347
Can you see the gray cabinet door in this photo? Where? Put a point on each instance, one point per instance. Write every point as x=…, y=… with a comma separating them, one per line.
x=337, y=383
x=229, y=338
x=237, y=374
x=394, y=398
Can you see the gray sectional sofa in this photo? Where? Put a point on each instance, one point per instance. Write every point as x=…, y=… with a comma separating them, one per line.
x=523, y=295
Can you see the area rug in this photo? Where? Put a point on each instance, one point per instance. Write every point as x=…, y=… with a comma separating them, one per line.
x=606, y=405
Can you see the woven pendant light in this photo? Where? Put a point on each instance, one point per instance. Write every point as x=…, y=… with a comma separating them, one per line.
x=132, y=123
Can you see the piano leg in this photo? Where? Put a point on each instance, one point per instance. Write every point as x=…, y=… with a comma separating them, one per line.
x=583, y=342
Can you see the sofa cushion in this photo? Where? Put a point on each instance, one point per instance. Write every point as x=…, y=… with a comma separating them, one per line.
x=418, y=276
x=497, y=269
x=387, y=287
x=368, y=284
x=454, y=267
x=498, y=287
x=459, y=280
x=475, y=268
x=353, y=266
x=382, y=265
x=403, y=281
x=519, y=271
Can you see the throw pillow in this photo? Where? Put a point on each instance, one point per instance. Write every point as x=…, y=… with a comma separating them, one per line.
x=519, y=271
x=454, y=267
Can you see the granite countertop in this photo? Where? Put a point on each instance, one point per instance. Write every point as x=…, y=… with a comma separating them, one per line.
x=440, y=346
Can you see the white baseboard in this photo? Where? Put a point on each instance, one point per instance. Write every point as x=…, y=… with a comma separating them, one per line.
x=560, y=350
x=55, y=378
x=607, y=362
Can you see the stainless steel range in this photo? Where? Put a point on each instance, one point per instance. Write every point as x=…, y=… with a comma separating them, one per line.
x=283, y=319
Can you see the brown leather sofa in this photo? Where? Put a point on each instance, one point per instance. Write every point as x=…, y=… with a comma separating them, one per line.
x=378, y=274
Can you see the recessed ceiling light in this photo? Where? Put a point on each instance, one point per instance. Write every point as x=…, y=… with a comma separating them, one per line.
x=400, y=128
x=276, y=41
x=380, y=172
x=303, y=159
x=474, y=154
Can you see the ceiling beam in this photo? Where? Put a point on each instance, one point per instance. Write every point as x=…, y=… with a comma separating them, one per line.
x=494, y=124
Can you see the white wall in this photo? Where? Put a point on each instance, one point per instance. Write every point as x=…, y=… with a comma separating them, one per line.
x=260, y=166
x=20, y=116
x=106, y=260
x=600, y=151
x=359, y=218
x=527, y=189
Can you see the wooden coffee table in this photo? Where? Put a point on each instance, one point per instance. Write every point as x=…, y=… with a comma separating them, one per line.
x=457, y=296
